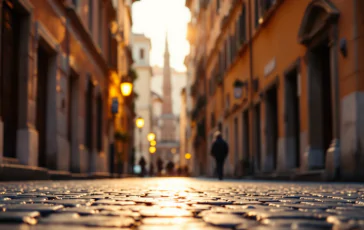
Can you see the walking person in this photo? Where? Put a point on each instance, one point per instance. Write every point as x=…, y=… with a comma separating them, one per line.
x=159, y=166
x=219, y=151
x=142, y=164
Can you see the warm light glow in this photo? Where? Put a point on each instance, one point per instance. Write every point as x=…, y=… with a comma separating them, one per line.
x=139, y=122
x=163, y=15
x=261, y=20
x=114, y=27
x=126, y=88
x=151, y=137
x=153, y=143
x=152, y=149
x=188, y=156
x=173, y=150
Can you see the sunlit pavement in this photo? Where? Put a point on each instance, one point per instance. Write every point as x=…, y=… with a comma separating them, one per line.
x=180, y=203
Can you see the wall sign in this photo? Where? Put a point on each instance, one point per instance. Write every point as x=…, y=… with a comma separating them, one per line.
x=115, y=105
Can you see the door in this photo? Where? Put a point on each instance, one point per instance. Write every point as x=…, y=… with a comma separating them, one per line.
x=41, y=114
x=9, y=77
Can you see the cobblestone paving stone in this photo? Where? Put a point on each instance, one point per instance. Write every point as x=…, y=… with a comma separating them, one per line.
x=178, y=203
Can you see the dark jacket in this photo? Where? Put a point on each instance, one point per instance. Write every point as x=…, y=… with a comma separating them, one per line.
x=220, y=149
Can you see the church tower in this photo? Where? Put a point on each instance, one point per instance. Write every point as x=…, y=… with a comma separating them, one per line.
x=168, y=126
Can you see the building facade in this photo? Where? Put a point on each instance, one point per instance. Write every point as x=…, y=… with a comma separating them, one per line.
x=167, y=121
x=122, y=113
x=54, y=83
x=283, y=85
x=142, y=86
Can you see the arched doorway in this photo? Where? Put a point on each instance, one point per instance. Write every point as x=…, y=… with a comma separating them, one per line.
x=318, y=32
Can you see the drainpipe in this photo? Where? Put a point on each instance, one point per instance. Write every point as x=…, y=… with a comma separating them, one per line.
x=356, y=70
x=250, y=43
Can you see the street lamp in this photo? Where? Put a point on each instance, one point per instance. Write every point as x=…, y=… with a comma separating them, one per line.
x=126, y=86
x=151, y=137
x=152, y=149
x=153, y=143
x=139, y=122
x=188, y=156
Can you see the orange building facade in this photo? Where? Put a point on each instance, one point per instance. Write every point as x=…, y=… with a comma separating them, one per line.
x=58, y=60
x=283, y=84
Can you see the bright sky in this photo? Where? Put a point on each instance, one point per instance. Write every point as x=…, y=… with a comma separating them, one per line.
x=153, y=18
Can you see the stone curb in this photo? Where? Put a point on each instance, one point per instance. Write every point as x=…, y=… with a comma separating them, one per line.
x=17, y=172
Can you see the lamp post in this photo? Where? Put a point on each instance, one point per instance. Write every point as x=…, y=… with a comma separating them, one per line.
x=151, y=137
x=126, y=86
x=139, y=122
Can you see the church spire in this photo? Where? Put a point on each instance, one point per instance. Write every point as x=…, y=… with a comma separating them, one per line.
x=166, y=48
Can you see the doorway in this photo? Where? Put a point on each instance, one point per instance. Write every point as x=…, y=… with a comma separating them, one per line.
x=89, y=131
x=293, y=118
x=257, y=138
x=272, y=127
x=72, y=116
x=11, y=24
x=323, y=96
x=236, y=147
x=41, y=118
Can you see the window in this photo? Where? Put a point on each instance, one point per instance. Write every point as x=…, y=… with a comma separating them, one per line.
x=242, y=25
x=212, y=115
x=141, y=54
x=217, y=6
x=90, y=14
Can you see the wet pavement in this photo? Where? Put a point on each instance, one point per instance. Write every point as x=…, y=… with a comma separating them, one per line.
x=179, y=203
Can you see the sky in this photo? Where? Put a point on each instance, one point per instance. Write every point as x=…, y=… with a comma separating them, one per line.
x=154, y=18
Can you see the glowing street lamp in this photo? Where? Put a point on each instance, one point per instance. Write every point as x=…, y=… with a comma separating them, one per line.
x=139, y=122
x=126, y=88
x=151, y=137
x=153, y=143
x=152, y=149
x=188, y=156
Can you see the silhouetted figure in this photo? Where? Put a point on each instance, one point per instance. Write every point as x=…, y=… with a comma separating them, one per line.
x=151, y=169
x=170, y=168
x=186, y=171
x=142, y=164
x=219, y=151
x=159, y=166
x=179, y=171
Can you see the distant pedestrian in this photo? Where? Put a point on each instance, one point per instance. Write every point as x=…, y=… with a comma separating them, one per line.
x=159, y=166
x=186, y=171
x=142, y=164
x=179, y=171
x=151, y=169
x=219, y=151
x=170, y=168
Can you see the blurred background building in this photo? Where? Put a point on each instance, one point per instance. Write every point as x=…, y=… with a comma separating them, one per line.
x=282, y=81
x=166, y=85
x=62, y=64
x=142, y=86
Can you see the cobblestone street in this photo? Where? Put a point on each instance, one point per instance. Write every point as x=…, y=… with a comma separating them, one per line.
x=178, y=203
